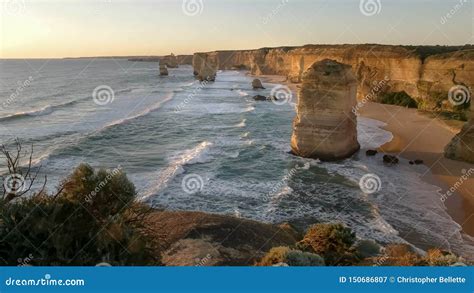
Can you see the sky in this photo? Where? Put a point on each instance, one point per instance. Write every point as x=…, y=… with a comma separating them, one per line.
x=81, y=28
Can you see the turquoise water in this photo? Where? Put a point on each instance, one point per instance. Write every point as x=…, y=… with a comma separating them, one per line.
x=211, y=147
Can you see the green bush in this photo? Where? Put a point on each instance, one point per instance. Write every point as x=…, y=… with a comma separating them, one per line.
x=291, y=257
x=398, y=98
x=332, y=241
x=67, y=230
x=301, y=258
x=367, y=248
x=102, y=192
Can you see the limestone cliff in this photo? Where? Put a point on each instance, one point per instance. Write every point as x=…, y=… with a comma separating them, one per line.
x=205, y=66
x=461, y=146
x=325, y=126
x=427, y=80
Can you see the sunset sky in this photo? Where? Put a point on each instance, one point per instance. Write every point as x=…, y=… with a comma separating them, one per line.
x=73, y=28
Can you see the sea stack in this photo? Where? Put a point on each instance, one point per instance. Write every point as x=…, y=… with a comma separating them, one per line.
x=257, y=84
x=461, y=147
x=204, y=66
x=170, y=61
x=325, y=126
x=163, y=70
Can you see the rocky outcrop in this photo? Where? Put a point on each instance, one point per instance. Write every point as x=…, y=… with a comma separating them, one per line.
x=378, y=68
x=205, y=67
x=461, y=146
x=171, y=61
x=199, y=239
x=257, y=84
x=325, y=126
x=163, y=70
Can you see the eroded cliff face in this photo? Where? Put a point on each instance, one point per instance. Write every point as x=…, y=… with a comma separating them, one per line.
x=325, y=126
x=461, y=146
x=398, y=68
x=205, y=66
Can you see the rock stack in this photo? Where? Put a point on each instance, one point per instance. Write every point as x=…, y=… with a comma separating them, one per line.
x=325, y=126
x=205, y=67
x=461, y=146
x=170, y=61
x=163, y=70
x=257, y=84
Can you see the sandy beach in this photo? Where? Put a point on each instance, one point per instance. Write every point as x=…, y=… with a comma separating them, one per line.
x=418, y=136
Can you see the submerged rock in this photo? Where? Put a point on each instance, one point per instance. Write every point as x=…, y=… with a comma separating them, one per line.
x=259, y=98
x=264, y=98
x=325, y=126
x=371, y=152
x=390, y=159
x=257, y=84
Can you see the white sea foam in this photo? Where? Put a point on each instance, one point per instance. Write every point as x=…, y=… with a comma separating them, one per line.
x=142, y=113
x=176, y=167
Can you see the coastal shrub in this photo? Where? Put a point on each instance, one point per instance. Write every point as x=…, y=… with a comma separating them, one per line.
x=398, y=98
x=62, y=229
x=437, y=257
x=275, y=256
x=101, y=192
x=367, y=248
x=284, y=255
x=332, y=241
x=401, y=255
x=300, y=258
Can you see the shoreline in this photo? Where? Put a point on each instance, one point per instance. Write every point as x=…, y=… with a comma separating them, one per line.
x=417, y=136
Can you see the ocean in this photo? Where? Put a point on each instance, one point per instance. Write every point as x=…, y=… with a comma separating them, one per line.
x=210, y=147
